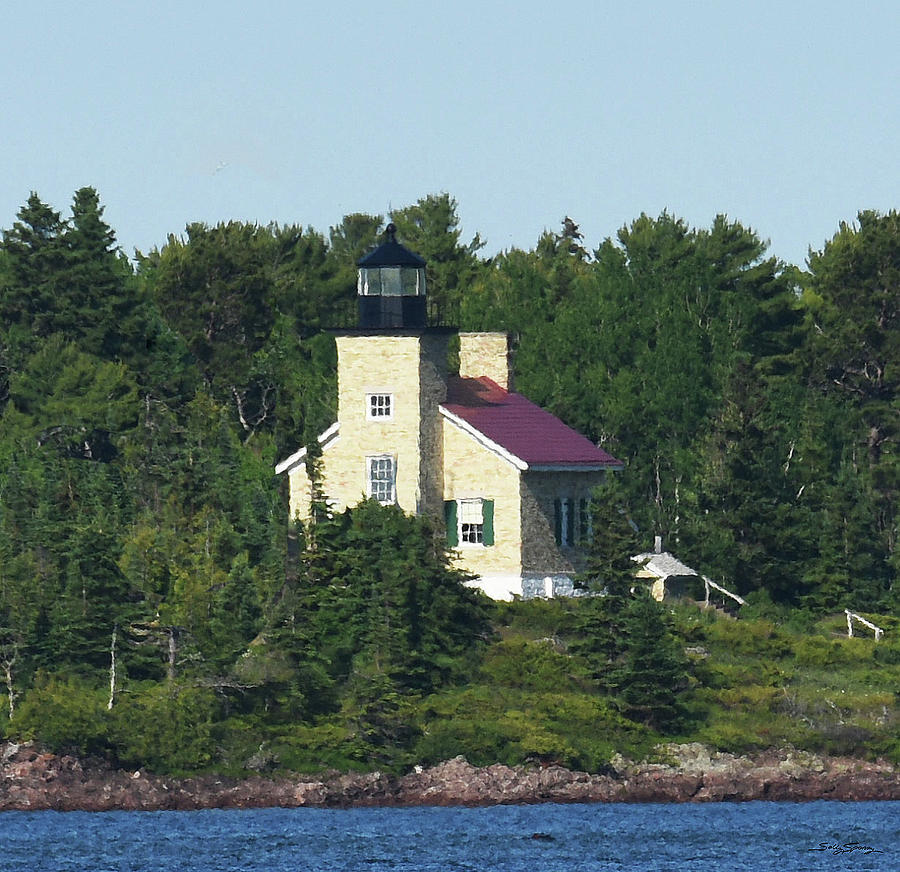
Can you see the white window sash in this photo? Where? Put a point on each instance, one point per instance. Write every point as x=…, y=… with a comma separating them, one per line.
x=381, y=478
x=379, y=405
x=470, y=521
x=471, y=512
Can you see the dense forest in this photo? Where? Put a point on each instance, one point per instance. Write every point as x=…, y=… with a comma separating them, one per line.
x=150, y=607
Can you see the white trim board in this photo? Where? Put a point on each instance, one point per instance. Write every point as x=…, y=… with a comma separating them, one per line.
x=326, y=439
x=479, y=437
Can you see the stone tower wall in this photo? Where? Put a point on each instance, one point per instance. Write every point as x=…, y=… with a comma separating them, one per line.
x=485, y=354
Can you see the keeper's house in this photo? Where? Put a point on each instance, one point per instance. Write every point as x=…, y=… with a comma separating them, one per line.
x=510, y=482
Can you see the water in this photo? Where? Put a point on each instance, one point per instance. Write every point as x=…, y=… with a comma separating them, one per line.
x=653, y=838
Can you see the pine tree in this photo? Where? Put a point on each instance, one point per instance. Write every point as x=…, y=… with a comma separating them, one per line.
x=608, y=578
x=653, y=671
x=430, y=228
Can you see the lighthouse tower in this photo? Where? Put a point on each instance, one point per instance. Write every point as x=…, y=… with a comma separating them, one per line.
x=392, y=376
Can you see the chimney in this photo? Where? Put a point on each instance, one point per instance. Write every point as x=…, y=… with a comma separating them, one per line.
x=657, y=544
x=485, y=354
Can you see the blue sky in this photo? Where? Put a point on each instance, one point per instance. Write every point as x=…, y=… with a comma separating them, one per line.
x=781, y=115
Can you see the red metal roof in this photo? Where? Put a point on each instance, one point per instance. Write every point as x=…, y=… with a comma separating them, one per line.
x=520, y=427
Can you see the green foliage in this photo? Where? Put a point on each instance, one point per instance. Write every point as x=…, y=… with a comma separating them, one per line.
x=141, y=416
x=307, y=748
x=490, y=725
x=851, y=296
x=533, y=666
x=654, y=672
x=535, y=618
x=379, y=714
x=239, y=295
x=745, y=732
x=815, y=651
x=65, y=713
x=430, y=227
x=376, y=588
x=757, y=638
x=609, y=576
x=167, y=729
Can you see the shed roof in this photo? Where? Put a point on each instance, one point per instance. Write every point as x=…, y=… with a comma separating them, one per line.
x=522, y=429
x=663, y=565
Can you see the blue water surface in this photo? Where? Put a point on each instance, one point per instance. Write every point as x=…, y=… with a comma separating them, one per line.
x=656, y=838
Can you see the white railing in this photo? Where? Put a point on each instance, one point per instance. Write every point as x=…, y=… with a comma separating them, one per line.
x=852, y=616
x=708, y=583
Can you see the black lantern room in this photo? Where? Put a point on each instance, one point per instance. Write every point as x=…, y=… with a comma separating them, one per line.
x=391, y=286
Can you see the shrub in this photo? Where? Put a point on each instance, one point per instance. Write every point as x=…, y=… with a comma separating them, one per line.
x=526, y=665
x=855, y=650
x=537, y=618
x=577, y=730
x=887, y=652
x=815, y=651
x=65, y=714
x=754, y=697
x=167, y=728
x=741, y=732
x=315, y=748
x=756, y=638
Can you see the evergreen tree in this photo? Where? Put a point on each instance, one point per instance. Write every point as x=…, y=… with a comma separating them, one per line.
x=653, y=673
x=609, y=578
x=69, y=277
x=430, y=228
x=853, y=301
x=35, y=258
x=378, y=588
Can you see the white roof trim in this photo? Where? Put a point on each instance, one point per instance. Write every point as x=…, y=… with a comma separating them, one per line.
x=479, y=437
x=325, y=439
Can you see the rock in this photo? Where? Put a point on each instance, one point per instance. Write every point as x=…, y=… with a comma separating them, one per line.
x=33, y=779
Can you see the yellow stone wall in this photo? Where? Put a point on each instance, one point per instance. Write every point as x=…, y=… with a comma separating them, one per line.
x=298, y=492
x=485, y=354
x=472, y=470
x=412, y=368
x=657, y=584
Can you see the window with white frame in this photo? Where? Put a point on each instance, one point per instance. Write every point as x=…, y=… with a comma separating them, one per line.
x=572, y=521
x=379, y=406
x=382, y=478
x=471, y=522
x=565, y=521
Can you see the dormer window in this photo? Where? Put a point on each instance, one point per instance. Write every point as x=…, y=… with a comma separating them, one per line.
x=380, y=407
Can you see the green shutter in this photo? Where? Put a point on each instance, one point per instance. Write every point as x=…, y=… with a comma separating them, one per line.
x=450, y=520
x=557, y=520
x=487, y=515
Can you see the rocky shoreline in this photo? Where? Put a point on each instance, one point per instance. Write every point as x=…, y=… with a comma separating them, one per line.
x=31, y=779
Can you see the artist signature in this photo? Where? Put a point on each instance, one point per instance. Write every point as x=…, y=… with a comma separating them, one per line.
x=847, y=848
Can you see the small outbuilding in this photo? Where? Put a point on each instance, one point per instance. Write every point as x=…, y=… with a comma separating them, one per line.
x=669, y=577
